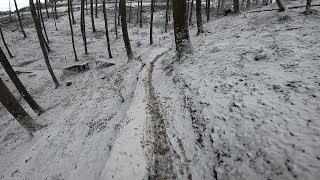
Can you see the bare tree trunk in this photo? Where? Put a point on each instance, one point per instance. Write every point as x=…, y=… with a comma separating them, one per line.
x=130, y=11
x=181, y=32
x=96, y=8
x=71, y=6
x=191, y=11
x=218, y=7
x=106, y=26
x=138, y=11
x=167, y=18
x=236, y=6
x=37, y=24
x=199, y=17
x=281, y=5
x=151, y=21
x=122, y=10
x=242, y=4
x=119, y=14
x=20, y=87
x=115, y=18
x=42, y=21
x=12, y=105
x=5, y=44
x=53, y=14
x=83, y=27
x=55, y=9
x=18, y=14
x=141, y=13
x=92, y=16
x=222, y=5
x=46, y=6
x=208, y=10
x=71, y=29
x=10, y=10
x=87, y=7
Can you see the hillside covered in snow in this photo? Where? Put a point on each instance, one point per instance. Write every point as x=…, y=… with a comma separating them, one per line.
x=245, y=104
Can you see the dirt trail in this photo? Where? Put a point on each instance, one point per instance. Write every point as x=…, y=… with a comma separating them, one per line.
x=162, y=148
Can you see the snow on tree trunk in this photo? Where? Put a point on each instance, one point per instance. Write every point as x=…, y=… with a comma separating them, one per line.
x=12, y=105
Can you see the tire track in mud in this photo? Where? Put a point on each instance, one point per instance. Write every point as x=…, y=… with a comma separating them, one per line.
x=162, y=167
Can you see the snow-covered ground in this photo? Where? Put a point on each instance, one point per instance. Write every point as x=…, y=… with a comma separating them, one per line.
x=244, y=105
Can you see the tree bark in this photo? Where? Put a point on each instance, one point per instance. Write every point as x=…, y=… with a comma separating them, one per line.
x=115, y=18
x=130, y=11
x=308, y=7
x=181, y=32
x=5, y=44
x=53, y=14
x=191, y=11
x=37, y=24
x=18, y=14
x=20, y=87
x=42, y=21
x=167, y=16
x=236, y=8
x=96, y=8
x=71, y=6
x=138, y=11
x=248, y=4
x=46, y=6
x=151, y=21
x=199, y=17
x=281, y=5
x=71, y=29
x=122, y=9
x=55, y=9
x=83, y=27
x=208, y=10
x=141, y=13
x=12, y=105
x=106, y=26
x=92, y=16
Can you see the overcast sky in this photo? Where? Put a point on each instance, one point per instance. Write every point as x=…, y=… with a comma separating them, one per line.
x=4, y=4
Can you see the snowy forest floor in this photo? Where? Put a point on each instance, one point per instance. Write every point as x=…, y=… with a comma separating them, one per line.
x=244, y=105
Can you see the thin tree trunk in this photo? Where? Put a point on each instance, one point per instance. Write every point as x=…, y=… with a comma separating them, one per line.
x=281, y=5
x=130, y=11
x=248, y=4
x=18, y=14
x=242, y=4
x=87, y=7
x=96, y=8
x=83, y=27
x=191, y=11
x=71, y=29
x=10, y=10
x=106, y=26
x=46, y=6
x=119, y=14
x=181, y=32
x=20, y=87
x=53, y=14
x=55, y=9
x=167, y=16
x=42, y=21
x=5, y=44
x=12, y=105
x=236, y=6
x=92, y=16
x=41, y=41
x=208, y=10
x=141, y=13
x=151, y=21
x=199, y=17
x=115, y=18
x=122, y=9
x=71, y=6
x=138, y=11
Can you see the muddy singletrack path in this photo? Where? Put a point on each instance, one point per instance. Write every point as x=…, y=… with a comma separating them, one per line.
x=162, y=149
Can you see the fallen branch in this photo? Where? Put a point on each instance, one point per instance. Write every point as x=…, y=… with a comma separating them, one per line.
x=292, y=7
